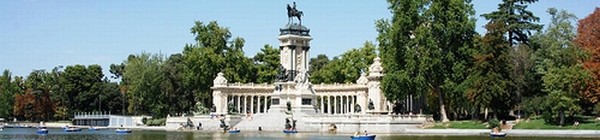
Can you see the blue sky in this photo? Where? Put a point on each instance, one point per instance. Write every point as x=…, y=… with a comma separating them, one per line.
x=41, y=34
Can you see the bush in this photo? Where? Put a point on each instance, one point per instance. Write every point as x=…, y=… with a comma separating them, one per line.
x=155, y=122
x=494, y=123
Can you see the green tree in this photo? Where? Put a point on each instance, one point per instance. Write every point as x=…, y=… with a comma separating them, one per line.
x=145, y=77
x=558, y=64
x=267, y=63
x=395, y=41
x=424, y=48
x=347, y=67
x=180, y=100
x=518, y=20
x=519, y=24
x=210, y=55
x=316, y=64
x=490, y=81
x=8, y=89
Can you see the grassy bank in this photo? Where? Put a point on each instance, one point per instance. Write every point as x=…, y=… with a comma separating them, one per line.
x=537, y=123
x=459, y=125
x=540, y=124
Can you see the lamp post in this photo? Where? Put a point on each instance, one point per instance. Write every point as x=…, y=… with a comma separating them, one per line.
x=123, y=90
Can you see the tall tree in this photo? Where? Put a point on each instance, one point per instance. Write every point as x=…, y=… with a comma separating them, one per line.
x=145, y=77
x=395, y=39
x=210, y=55
x=423, y=46
x=180, y=100
x=35, y=103
x=518, y=20
x=557, y=61
x=8, y=89
x=519, y=26
x=588, y=38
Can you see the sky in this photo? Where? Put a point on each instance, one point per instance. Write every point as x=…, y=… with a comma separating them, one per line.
x=42, y=34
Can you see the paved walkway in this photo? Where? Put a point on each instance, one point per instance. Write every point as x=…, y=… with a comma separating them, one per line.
x=514, y=132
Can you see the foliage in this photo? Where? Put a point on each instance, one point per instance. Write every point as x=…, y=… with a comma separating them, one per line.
x=211, y=55
x=346, y=68
x=557, y=63
x=267, y=62
x=518, y=20
x=426, y=47
x=316, y=66
x=8, y=89
x=588, y=38
x=155, y=122
x=585, y=123
x=493, y=123
x=459, y=125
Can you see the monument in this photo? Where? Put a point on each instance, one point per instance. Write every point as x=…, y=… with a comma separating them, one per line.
x=293, y=102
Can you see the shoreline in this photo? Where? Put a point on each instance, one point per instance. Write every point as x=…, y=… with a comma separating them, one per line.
x=441, y=132
x=428, y=132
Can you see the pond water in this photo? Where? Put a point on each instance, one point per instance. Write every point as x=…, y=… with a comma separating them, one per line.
x=59, y=134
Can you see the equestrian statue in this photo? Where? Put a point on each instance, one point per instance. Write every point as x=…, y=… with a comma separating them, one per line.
x=293, y=12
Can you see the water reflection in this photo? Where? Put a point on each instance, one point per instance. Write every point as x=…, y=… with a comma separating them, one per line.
x=59, y=134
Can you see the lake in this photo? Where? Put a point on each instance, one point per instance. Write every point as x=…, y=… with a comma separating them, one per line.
x=55, y=133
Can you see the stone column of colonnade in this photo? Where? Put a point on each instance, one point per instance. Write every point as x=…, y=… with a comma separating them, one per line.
x=337, y=104
x=245, y=103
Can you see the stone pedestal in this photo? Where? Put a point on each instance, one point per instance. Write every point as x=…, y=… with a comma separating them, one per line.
x=301, y=99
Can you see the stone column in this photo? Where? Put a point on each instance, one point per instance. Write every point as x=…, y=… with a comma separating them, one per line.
x=335, y=104
x=348, y=104
x=239, y=108
x=329, y=107
x=252, y=104
x=266, y=104
x=219, y=98
x=352, y=104
x=258, y=108
x=245, y=104
x=322, y=105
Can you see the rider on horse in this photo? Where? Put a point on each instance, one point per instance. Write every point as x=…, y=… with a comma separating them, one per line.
x=293, y=12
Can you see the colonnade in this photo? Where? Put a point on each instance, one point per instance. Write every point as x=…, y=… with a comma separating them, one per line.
x=250, y=103
x=337, y=104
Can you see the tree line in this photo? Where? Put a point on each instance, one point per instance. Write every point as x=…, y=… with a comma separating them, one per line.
x=430, y=49
x=157, y=85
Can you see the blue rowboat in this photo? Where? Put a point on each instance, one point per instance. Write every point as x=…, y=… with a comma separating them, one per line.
x=290, y=131
x=72, y=129
x=363, y=137
x=123, y=131
x=234, y=131
x=497, y=135
x=42, y=131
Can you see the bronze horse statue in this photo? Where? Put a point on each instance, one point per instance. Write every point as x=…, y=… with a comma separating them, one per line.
x=293, y=12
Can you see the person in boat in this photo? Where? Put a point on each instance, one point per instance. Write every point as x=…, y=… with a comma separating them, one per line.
x=495, y=130
x=366, y=132
x=356, y=133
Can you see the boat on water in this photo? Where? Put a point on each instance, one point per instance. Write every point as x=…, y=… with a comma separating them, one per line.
x=123, y=131
x=497, y=135
x=234, y=131
x=72, y=129
x=363, y=137
x=290, y=131
x=92, y=129
x=42, y=131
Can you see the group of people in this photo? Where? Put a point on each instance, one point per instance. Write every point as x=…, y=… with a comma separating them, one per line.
x=358, y=133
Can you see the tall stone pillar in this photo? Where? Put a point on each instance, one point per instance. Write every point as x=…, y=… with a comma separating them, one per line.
x=362, y=98
x=293, y=85
x=374, y=84
x=219, y=98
